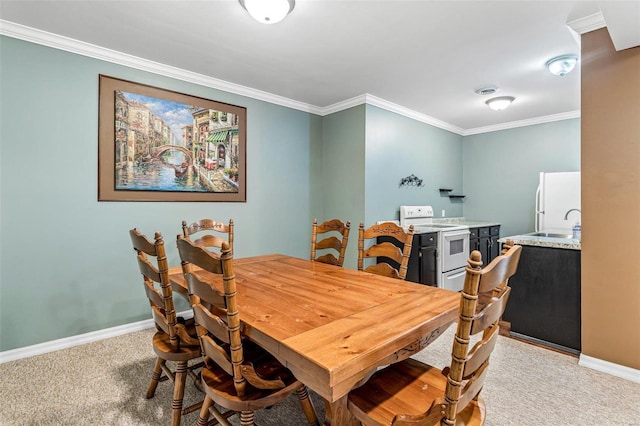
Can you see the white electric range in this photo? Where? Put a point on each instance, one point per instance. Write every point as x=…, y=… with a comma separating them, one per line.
x=452, y=250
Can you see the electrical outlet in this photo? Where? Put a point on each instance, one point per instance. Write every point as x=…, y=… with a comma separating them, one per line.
x=442, y=212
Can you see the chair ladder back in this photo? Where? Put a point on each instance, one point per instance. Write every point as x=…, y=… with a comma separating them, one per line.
x=147, y=269
x=481, y=351
x=213, y=298
x=209, y=240
x=154, y=296
x=164, y=313
x=468, y=366
x=333, y=242
x=473, y=387
x=400, y=255
x=497, y=273
x=216, y=265
x=142, y=244
x=508, y=245
x=212, y=349
x=468, y=303
x=385, y=249
x=491, y=312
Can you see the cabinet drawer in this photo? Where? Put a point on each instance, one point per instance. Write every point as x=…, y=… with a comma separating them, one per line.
x=484, y=232
x=494, y=231
x=474, y=233
x=428, y=239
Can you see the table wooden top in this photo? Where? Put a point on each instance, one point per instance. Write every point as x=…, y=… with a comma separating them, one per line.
x=333, y=326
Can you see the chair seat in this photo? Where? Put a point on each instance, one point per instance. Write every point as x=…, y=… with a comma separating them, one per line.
x=163, y=348
x=221, y=389
x=407, y=387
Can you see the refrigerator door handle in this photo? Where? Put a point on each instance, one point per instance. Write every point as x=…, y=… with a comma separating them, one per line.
x=538, y=211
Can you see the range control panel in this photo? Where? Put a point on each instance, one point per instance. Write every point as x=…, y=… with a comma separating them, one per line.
x=413, y=214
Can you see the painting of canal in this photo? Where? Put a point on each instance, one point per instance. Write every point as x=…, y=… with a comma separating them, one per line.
x=167, y=146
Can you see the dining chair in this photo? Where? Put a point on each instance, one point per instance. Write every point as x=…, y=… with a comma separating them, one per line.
x=175, y=339
x=331, y=241
x=238, y=375
x=414, y=393
x=209, y=233
x=388, y=251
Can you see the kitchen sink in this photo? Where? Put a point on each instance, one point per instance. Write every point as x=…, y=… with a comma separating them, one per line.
x=550, y=235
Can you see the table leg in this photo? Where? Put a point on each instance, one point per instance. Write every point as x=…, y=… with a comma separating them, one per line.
x=337, y=413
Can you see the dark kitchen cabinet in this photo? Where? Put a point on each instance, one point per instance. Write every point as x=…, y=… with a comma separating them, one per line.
x=422, y=261
x=485, y=240
x=544, y=304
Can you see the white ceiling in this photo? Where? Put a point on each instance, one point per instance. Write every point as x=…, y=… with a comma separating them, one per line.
x=426, y=57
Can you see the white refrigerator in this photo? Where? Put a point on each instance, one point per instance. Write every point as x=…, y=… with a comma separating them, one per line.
x=557, y=197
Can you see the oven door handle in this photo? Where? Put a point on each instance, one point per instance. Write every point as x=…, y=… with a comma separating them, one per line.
x=457, y=275
x=460, y=233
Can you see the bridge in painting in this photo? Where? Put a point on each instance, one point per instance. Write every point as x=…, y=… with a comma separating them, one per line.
x=162, y=148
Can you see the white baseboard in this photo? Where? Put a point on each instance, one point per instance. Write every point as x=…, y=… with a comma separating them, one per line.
x=81, y=339
x=617, y=370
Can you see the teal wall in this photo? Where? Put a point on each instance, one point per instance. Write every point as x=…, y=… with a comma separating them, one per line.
x=316, y=186
x=343, y=172
x=397, y=147
x=501, y=170
x=67, y=265
x=368, y=150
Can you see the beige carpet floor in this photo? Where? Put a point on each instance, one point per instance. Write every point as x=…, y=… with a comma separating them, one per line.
x=104, y=383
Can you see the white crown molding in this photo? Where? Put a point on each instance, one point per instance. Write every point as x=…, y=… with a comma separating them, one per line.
x=399, y=109
x=522, y=123
x=81, y=339
x=389, y=106
x=56, y=41
x=588, y=23
x=346, y=104
x=607, y=367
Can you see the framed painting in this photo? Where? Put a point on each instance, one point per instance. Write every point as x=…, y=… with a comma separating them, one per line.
x=159, y=145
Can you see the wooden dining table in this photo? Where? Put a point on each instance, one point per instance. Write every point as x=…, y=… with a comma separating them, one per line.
x=331, y=326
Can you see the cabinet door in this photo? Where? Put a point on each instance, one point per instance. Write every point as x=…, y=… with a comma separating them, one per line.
x=545, y=297
x=428, y=274
x=474, y=242
x=494, y=246
x=494, y=249
x=484, y=243
x=474, y=245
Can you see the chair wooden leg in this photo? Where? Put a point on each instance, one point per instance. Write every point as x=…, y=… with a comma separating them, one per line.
x=155, y=378
x=178, y=392
x=204, y=411
x=246, y=418
x=307, y=406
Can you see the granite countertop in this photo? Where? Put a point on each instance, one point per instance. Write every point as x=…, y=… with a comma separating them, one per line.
x=424, y=229
x=464, y=221
x=537, y=241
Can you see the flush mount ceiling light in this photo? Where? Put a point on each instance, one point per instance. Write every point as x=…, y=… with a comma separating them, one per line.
x=562, y=64
x=500, y=103
x=268, y=11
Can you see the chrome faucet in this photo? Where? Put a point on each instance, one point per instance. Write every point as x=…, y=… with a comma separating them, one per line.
x=566, y=215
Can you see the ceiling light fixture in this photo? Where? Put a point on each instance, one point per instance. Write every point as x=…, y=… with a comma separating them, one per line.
x=500, y=103
x=268, y=11
x=562, y=65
